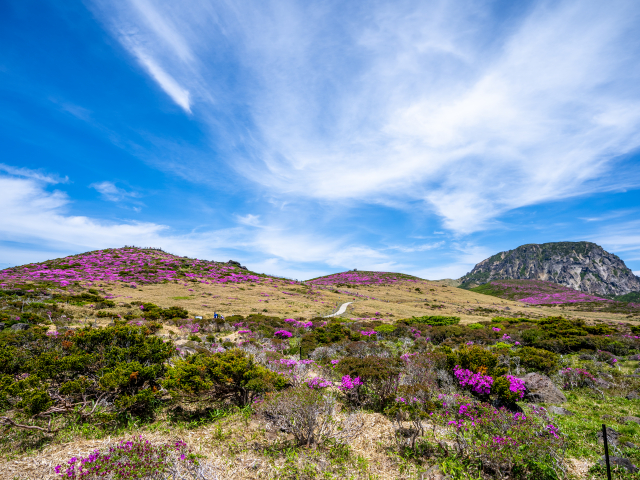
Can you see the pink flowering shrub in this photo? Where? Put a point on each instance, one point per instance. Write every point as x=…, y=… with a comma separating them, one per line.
x=496, y=440
x=476, y=382
x=318, y=383
x=367, y=333
x=606, y=357
x=283, y=334
x=137, y=458
x=348, y=384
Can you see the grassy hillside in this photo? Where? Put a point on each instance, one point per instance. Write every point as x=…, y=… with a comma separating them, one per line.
x=629, y=297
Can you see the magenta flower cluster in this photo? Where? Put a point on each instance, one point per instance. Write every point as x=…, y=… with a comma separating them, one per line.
x=136, y=458
x=476, y=382
x=283, y=334
x=516, y=385
x=349, y=383
x=318, y=383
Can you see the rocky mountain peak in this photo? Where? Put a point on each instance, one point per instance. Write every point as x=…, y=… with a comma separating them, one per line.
x=583, y=266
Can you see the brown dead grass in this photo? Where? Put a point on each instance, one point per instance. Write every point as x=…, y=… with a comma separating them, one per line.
x=237, y=449
x=396, y=301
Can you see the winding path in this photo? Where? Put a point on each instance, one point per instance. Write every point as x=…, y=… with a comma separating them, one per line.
x=341, y=310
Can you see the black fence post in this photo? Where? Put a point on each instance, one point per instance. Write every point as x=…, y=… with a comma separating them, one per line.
x=606, y=450
x=300, y=352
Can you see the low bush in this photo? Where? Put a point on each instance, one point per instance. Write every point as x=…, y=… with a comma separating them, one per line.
x=434, y=320
x=576, y=378
x=501, y=443
x=231, y=375
x=476, y=359
x=380, y=378
x=310, y=415
x=538, y=360
x=385, y=328
x=45, y=379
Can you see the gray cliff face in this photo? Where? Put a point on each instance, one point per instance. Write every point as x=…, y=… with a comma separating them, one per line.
x=582, y=266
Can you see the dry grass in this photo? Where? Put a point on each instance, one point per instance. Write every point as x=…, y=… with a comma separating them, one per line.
x=400, y=300
x=240, y=449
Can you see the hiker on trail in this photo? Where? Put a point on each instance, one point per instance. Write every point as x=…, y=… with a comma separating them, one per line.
x=215, y=315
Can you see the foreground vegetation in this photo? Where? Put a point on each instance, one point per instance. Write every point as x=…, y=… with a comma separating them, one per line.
x=93, y=386
x=448, y=396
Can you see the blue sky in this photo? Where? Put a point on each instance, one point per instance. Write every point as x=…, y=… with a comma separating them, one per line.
x=304, y=138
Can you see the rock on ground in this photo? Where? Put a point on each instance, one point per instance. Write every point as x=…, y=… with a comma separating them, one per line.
x=620, y=462
x=560, y=411
x=20, y=326
x=630, y=419
x=633, y=396
x=612, y=436
x=540, y=388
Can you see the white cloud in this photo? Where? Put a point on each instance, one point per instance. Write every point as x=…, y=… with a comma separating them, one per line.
x=622, y=238
x=249, y=220
x=166, y=81
x=37, y=217
x=111, y=192
x=437, y=101
x=609, y=215
x=33, y=174
x=417, y=248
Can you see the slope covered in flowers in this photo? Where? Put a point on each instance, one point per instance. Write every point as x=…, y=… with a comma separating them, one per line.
x=535, y=292
x=130, y=265
x=362, y=278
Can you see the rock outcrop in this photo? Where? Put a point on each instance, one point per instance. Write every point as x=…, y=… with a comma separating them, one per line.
x=583, y=266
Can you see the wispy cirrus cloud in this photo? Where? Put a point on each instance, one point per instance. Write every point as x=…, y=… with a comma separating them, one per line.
x=109, y=191
x=416, y=248
x=450, y=103
x=33, y=174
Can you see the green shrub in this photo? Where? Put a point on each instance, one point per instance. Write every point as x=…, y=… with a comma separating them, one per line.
x=476, y=359
x=475, y=326
x=510, y=320
x=120, y=365
x=599, y=329
x=230, y=375
x=385, y=328
x=433, y=320
x=380, y=377
x=501, y=389
x=538, y=360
